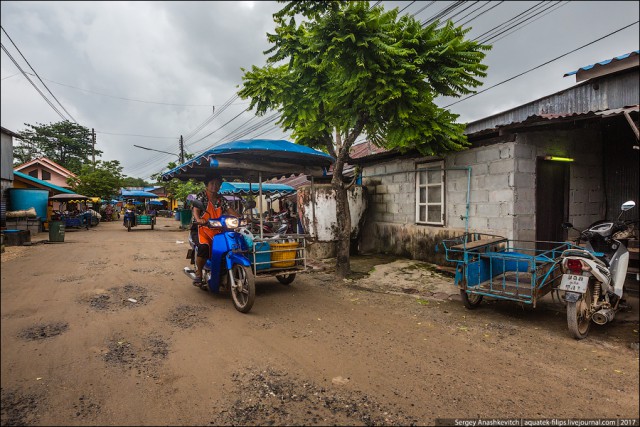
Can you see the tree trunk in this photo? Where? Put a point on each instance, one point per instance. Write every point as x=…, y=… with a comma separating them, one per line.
x=343, y=219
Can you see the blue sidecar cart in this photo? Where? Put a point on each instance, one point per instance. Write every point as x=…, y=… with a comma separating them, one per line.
x=497, y=267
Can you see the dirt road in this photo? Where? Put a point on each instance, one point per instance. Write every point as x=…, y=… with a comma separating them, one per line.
x=77, y=351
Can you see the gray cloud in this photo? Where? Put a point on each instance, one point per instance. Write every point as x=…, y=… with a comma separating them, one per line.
x=191, y=53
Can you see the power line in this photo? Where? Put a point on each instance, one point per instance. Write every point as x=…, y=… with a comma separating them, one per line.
x=33, y=84
x=130, y=99
x=557, y=6
x=490, y=31
x=213, y=116
x=32, y=69
x=12, y=75
x=479, y=15
x=139, y=136
x=211, y=133
x=410, y=3
x=517, y=24
x=459, y=12
x=474, y=10
x=443, y=13
x=541, y=65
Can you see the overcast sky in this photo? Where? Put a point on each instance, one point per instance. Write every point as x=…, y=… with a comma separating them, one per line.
x=144, y=73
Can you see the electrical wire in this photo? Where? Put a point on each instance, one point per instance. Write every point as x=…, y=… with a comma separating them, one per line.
x=479, y=15
x=497, y=27
x=438, y=16
x=32, y=69
x=541, y=65
x=4, y=49
x=402, y=10
x=519, y=23
x=558, y=6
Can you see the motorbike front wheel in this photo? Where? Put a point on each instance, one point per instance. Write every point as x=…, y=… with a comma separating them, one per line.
x=578, y=320
x=243, y=290
x=128, y=225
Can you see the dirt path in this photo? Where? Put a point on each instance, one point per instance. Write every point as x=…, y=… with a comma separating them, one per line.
x=77, y=351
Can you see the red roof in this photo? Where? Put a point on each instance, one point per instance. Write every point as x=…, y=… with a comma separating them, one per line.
x=365, y=149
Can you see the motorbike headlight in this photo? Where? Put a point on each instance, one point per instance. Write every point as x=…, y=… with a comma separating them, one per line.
x=231, y=222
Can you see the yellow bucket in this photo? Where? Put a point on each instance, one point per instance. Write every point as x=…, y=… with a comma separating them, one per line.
x=283, y=258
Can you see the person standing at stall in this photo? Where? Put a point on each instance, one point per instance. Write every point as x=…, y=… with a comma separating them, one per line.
x=215, y=206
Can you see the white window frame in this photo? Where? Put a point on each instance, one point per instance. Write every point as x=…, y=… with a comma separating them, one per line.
x=424, y=167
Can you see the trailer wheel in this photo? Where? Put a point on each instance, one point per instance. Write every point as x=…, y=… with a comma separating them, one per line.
x=286, y=279
x=470, y=301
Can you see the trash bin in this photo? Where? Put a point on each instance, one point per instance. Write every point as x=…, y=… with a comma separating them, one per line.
x=185, y=218
x=56, y=231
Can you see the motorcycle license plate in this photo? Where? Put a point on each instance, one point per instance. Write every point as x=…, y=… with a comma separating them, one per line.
x=574, y=283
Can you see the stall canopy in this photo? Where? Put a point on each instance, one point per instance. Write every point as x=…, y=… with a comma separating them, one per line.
x=155, y=202
x=254, y=160
x=138, y=193
x=69, y=197
x=254, y=188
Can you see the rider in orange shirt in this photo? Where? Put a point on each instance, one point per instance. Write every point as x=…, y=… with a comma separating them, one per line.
x=216, y=206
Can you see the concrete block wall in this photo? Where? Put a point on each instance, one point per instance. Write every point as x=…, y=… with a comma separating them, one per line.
x=390, y=224
x=502, y=196
x=491, y=189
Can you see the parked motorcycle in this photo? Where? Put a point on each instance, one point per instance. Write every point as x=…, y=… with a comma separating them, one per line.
x=228, y=268
x=594, y=277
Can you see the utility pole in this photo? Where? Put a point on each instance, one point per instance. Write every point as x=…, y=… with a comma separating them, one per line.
x=181, y=150
x=93, y=139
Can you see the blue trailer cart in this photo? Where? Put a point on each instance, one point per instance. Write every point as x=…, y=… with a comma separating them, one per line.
x=494, y=266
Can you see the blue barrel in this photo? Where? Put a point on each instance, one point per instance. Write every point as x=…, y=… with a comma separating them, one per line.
x=21, y=199
x=262, y=255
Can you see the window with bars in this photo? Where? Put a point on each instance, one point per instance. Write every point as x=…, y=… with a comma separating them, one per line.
x=430, y=193
x=46, y=175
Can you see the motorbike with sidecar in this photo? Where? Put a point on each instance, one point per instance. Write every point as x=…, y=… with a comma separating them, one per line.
x=238, y=257
x=589, y=280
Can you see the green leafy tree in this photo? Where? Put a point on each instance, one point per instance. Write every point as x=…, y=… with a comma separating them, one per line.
x=135, y=182
x=66, y=143
x=103, y=180
x=349, y=69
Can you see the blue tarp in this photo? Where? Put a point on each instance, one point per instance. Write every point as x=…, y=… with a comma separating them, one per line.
x=138, y=193
x=254, y=188
x=155, y=202
x=253, y=158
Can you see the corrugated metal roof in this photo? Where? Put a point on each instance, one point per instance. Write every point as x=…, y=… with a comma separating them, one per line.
x=601, y=63
x=536, y=118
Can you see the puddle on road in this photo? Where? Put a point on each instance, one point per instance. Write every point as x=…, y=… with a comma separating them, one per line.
x=40, y=332
x=283, y=399
x=116, y=298
x=143, y=358
x=186, y=316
